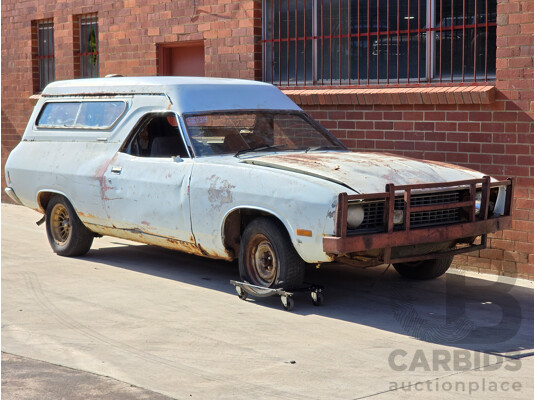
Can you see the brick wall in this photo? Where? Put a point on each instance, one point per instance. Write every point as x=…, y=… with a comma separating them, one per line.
x=490, y=130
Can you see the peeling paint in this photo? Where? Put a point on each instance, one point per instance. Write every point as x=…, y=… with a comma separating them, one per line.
x=219, y=192
x=364, y=172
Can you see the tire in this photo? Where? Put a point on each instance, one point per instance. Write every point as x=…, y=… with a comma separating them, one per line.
x=67, y=235
x=267, y=256
x=424, y=270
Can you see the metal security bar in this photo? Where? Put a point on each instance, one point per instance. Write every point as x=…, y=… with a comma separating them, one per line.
x=45, y=53
x=343, y=242
x=89, y=54
x=378, y=42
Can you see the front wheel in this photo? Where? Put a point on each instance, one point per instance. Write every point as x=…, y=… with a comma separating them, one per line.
x=267, y=257
x=67, y=235
x=424, y=270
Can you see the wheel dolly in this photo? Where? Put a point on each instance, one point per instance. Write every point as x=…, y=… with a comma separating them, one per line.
x=244, y=289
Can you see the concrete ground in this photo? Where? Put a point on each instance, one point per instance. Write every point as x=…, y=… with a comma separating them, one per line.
x=24, y=378
x=170, y=324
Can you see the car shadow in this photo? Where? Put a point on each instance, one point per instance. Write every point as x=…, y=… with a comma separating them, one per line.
x=452, y=310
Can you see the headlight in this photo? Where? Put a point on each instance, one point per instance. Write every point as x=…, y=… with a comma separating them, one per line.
x=355, y=216
x=478, y=203
x=398, y=217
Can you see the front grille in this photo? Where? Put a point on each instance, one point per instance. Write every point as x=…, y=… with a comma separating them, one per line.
x=374, y=212
x=373, y=216
x=433, y=218
x=430, y=199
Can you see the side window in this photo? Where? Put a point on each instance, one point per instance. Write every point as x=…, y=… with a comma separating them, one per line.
x=81, y=115
x=156, y=135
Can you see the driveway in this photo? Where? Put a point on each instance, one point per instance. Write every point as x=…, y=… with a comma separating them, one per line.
x=172, y=324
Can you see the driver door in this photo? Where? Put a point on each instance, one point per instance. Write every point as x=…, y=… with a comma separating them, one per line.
x=146, y=184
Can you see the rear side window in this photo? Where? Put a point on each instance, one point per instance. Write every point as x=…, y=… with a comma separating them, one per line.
x=81, y=115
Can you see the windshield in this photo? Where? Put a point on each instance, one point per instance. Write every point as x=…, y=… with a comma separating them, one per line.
x=244, y=131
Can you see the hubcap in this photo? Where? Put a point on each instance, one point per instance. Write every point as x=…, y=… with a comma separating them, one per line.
x=60, y=224
x=262, y=262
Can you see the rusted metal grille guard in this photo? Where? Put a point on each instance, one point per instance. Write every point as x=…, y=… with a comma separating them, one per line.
x=479, y=225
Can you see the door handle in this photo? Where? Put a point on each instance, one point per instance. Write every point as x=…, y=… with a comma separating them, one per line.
x=116, y=170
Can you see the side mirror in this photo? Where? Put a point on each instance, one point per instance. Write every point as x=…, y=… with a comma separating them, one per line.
x=177, y=159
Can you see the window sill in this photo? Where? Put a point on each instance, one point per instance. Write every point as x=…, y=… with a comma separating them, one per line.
x=388, y=96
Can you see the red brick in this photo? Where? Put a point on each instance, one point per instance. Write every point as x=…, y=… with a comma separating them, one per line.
x=446, y=126
x=365, y=144
x=457, y=157
x=515, y=235
x=504, y=138
x=469, y=126
x=517, y=149
x=413, y=116
x=403, y=126
x=525, y=160
x=384, y=125
x=425, y=146
x=346, y=124
x=515, y=256
x=525, y=270
x=424, y=126
x=404, y=145
x=435, y=116
x=480, y=137
x=491, y=253
x=469, y=147
x=457, y=116
x=480, y=116
x=524, y=247
x=447, y=146
x=392, y=116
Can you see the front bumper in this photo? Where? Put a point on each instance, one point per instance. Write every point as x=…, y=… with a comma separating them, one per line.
x=478, y=225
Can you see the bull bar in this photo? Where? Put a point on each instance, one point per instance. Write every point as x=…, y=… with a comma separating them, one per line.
x=477, y=225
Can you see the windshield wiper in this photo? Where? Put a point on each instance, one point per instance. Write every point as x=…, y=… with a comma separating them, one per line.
x=315, y=148
x=260, y=148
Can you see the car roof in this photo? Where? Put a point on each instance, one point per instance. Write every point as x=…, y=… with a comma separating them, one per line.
x=187, y=94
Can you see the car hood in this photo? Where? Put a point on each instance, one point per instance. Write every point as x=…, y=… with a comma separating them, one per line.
x=365, y=172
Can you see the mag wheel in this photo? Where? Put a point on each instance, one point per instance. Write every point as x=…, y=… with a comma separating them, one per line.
x=67, y=235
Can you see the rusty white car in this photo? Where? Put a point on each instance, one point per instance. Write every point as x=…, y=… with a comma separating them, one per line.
x=233, y=169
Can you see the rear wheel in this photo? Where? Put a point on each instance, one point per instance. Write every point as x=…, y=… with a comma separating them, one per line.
x=267, y=257
x=67, y=235
x=424, y=270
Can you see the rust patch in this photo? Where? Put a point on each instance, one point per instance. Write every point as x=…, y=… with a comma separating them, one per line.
x=85, y=215
x=202, y=250
x=219, y=192
x=100, y=176
x=332, y=211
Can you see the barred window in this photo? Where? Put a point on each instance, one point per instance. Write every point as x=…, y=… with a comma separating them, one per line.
x=363, y=42
x=44, y=54
x=88, y=55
